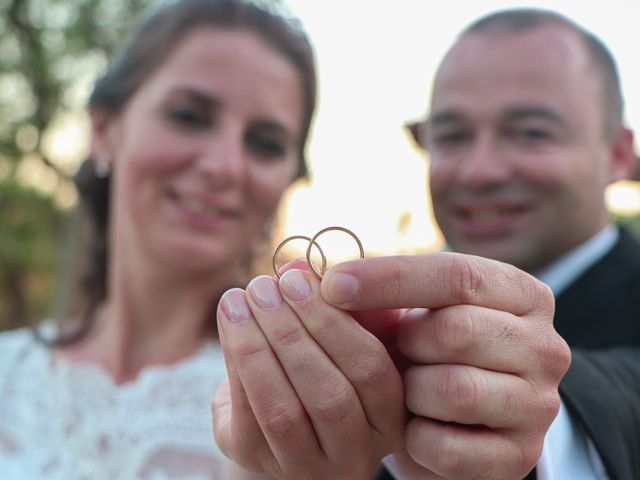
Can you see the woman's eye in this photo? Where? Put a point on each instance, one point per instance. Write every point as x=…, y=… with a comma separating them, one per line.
x=189, y=118
x=266, y=146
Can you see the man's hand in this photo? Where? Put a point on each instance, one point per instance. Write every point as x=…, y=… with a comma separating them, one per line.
x=484, y=359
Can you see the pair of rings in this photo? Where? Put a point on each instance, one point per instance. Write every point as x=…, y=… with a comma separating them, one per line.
x=312, y=242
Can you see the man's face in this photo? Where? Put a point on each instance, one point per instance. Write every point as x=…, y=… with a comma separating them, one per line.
x=519, y=160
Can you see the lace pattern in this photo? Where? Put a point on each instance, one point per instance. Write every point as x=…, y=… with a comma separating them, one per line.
x=70, y=421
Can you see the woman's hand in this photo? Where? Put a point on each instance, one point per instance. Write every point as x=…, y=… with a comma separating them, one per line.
x=311, y=393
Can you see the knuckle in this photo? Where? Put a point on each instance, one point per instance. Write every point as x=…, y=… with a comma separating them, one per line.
x=450, y=460
x=453, y=329
x=544, y=404
x=549, y=406
x=510, y=406
x=466, y=278
x=554, y=355
x=543, y=297
x=289, y=334
x=458, y=391
x=396, y=281
x=278, y=422
x=325, y=323
x=527, y=455
x=560, y=355
x=337, y=405
x=371, y=370
x=537, y=298
x=248, y=352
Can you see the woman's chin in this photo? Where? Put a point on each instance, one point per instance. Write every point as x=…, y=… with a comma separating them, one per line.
x=198, y=256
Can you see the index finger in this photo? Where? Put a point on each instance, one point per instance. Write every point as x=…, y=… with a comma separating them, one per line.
x=433, y=281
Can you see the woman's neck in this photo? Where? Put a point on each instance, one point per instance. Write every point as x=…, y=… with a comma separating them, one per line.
x=150, y=319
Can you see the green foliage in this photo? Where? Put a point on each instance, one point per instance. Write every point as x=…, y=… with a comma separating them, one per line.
x=51, y=52
x=29, y=224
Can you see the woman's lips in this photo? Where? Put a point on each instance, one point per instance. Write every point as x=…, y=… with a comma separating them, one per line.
x=202, y=213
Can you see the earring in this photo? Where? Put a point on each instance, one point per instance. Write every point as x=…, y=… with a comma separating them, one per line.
x=102, y=168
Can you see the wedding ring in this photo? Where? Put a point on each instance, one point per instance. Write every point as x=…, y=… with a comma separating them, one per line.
x=276, y=268
x=312, y=241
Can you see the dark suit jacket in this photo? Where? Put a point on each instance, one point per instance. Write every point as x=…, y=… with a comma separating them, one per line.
x=602, y=391
x=600, y=310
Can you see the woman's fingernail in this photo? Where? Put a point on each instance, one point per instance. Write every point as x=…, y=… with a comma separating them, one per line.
x=235, y=305
x=264, y=292
x=341, y=287
x=295, y=286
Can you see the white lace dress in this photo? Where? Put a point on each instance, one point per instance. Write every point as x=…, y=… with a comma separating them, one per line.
x=65, y=421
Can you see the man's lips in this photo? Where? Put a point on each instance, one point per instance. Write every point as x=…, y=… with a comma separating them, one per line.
x=490, y=220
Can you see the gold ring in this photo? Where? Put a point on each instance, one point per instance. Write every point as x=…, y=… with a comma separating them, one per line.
x=276, y=268
x=312, y=241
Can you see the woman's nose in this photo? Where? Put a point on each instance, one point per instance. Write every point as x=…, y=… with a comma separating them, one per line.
x=223, y=160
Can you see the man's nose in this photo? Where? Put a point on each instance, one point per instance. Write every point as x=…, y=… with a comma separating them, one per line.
x=485, y=162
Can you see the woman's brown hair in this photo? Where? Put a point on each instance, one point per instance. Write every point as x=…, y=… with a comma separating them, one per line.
x=148, y=46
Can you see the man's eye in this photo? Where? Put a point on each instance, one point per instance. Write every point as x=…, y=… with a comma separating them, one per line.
x=450, y=139
x=188, y=118
x=532, y=135
x=266, y=146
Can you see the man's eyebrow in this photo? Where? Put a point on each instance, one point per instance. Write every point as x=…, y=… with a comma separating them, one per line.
x=535, y=111
x=514, y=113
x=444, y=117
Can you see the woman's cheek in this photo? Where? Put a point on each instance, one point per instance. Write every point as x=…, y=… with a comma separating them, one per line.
x=269, y=184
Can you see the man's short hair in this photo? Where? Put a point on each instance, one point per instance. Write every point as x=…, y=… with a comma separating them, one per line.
x=520, y=20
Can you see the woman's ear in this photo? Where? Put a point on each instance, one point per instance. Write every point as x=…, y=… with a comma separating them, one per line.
x=624, y=161
x=101, y=148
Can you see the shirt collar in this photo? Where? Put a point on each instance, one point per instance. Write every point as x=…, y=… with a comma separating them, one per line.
x=570, y=266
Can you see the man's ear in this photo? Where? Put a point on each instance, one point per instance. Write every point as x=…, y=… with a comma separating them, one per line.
x=418, y=132
x=636, y=172
x=625, y=164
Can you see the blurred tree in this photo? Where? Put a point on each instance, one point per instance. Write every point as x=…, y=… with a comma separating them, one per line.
x=51, y=51
x=29, y=221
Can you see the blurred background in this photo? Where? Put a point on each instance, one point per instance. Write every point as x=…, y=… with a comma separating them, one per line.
x=376, y=60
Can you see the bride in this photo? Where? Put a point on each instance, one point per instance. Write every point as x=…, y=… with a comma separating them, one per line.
x=198, y=128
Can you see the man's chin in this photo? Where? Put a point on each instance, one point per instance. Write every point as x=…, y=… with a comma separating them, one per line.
x=501, y=251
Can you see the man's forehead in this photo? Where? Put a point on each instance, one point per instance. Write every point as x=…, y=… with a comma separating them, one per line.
x=544, y=43
x=530, y=65
x=511, y=112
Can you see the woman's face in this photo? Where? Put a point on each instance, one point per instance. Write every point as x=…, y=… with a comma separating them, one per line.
x=204, y=150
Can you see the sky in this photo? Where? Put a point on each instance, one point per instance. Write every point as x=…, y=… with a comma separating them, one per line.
x=376, y=60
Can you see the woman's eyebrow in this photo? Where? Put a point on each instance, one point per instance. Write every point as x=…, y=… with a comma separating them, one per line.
x=205, y=99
